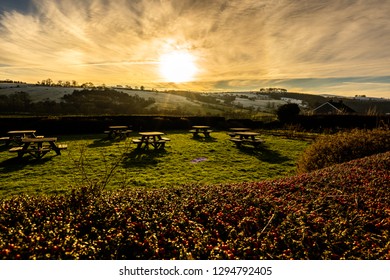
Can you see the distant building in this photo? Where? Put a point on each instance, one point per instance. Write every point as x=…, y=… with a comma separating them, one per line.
x=332, y=107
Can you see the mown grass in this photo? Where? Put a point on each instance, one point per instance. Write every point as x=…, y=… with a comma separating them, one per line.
x=185, y=160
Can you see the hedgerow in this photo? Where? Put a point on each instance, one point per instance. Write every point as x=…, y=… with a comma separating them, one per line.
x=344, y=146
x=340, y=212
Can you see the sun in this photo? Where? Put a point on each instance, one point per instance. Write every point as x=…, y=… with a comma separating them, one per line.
x=178, y=66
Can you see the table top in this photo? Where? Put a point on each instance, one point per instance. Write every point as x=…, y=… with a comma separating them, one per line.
x=201, y=126
x=238, y=129
x=43, y=139
x=247, y=133
x=151, y=133
x=21, y=131
x=118, y=127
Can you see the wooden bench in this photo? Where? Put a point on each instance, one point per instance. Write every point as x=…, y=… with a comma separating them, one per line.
x=205, y=132
x=62, y=146
x=16, y=149
x=118, y=133
x=239, y=142
x=37, y=153
x=236, y=141
x=255, y=142
x=6, y=140
x=157, y=144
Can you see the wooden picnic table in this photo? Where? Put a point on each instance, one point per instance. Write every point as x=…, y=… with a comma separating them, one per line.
x=246, y=137
x=38, y=147
x=117, y=131
x=152, y=138
x=233, y=130
x=16, y=136
x=204, y=129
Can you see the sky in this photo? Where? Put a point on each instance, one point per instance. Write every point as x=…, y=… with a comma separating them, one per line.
x=312, y=46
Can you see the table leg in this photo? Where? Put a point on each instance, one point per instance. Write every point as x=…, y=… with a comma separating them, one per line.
x=55, y=148
x=24, y=150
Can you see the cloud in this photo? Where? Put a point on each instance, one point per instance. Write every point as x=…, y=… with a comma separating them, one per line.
x=238, y=41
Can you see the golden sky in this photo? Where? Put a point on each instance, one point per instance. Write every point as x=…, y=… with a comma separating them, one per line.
x=313, y=46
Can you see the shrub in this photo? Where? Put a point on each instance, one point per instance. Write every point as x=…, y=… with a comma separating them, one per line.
x=288, y=112
x=340, y=212
x=344, y=146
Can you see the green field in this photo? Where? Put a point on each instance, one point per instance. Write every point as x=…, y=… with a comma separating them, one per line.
x=90, y=159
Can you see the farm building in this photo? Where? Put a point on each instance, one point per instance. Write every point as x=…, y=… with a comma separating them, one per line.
x=332, y=107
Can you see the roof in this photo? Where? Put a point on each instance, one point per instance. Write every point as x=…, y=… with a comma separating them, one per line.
x=339, y=107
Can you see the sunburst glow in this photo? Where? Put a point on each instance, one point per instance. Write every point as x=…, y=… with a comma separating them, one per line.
x=178, y=66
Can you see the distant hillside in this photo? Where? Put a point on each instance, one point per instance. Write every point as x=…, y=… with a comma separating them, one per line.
x=358, y=104
x=37, y=93
x=369, y=106
x=311, y=100
x=212, y=102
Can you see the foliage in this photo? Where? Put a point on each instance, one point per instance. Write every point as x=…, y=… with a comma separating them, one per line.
x=344, y=146
x=87, y=102
x=104, y=102
x=17, y=102
x=340, y=212
x=287, y=112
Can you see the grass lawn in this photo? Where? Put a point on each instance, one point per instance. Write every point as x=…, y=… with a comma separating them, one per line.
x=184, y=161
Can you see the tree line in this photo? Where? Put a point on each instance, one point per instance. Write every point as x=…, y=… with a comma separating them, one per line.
x=85, y=102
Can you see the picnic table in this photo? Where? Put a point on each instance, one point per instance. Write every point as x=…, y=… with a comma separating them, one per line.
x=38, y=147
x=246, y=137
x=16, y=136
x=118, y=131
x=233, y=130
x=204, y=129
x=151, y=138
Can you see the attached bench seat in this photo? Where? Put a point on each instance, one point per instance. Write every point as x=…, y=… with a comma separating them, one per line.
x=201, y=131
x=162, y=140
x=44, y=149
x=160, y=143
x=196, y=133
x=16, y=149
x=121, y=134
x=37, y=153
x=239, y=142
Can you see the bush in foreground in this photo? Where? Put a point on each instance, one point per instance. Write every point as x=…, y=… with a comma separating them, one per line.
x=342, y=147
x=340, y=212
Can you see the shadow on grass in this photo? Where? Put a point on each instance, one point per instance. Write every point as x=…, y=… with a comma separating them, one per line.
x=15, y=163
x=263, y=153
x=204, y=139
x=139, y=157
x=104, y=142
x=4, y=148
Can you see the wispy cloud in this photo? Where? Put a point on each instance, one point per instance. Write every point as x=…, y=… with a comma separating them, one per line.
x=243, y=43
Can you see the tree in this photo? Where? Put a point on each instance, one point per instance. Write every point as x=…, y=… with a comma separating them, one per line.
x=288, y=112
